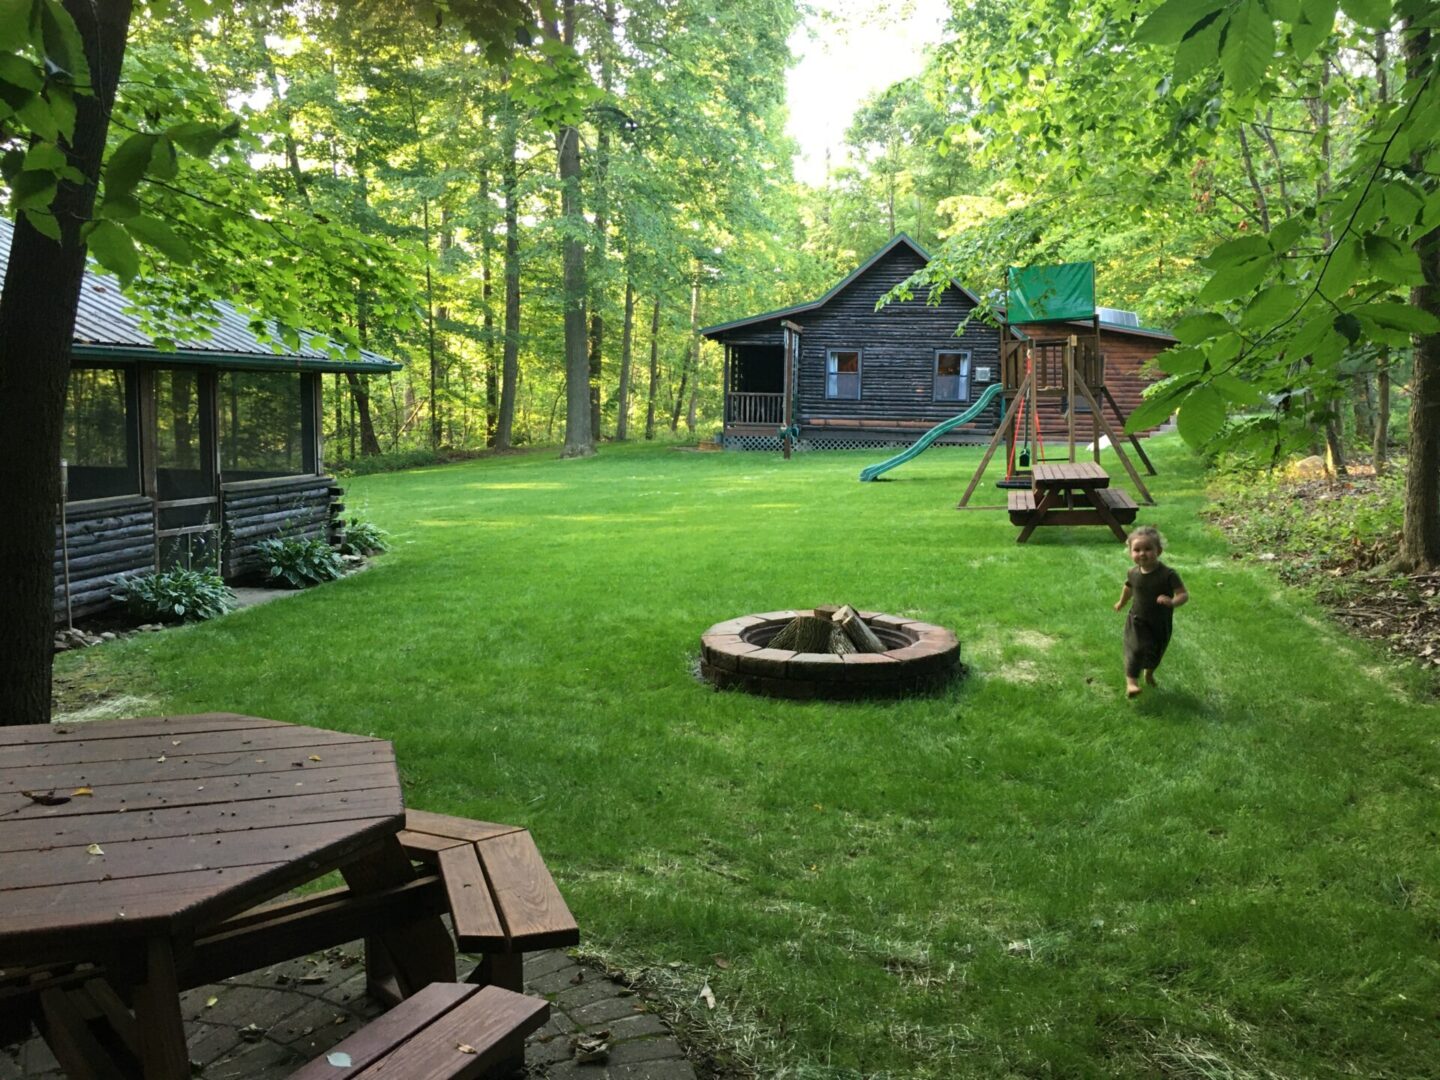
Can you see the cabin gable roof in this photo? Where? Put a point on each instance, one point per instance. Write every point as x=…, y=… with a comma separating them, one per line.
x=898, y=241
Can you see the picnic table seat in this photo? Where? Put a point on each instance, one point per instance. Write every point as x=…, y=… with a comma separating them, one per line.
x=503, y=902
x=448, y=1031
x=1021, y=505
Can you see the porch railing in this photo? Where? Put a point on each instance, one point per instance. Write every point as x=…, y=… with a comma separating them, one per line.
x=755, y=409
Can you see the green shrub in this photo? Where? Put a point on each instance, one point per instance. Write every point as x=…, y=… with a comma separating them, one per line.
x=176, y=595
x=300, y=563
x=364, y=538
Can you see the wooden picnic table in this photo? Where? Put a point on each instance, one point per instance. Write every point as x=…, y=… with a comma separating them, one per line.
x=1070, y=493
x=132, y=851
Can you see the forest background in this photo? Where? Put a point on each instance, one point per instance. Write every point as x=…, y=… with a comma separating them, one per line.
x=1030, y=136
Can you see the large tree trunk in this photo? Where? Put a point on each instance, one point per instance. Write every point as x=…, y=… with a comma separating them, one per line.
x=1380, y=452
x=694, y=351
x=360, y=394
x=37, y=328
x=602, y=227
x=627, y=345
x=510, y=363
x=1420, y=537
x=654, y=369
x=487, y=322
x=579, y=435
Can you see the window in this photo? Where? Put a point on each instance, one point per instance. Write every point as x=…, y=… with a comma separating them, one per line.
x=952, y=376
x=183, y=438
x=842, y=374
x=100, y=441
x=262, y=428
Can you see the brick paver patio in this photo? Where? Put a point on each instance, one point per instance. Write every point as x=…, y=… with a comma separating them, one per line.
x=264, y=1025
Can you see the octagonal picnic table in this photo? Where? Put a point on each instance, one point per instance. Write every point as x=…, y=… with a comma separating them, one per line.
x=129, y=850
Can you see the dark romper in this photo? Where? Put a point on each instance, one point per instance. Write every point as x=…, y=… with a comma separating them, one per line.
x=1147, y=627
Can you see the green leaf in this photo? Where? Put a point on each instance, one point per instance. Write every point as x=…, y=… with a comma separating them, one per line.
x=1199, y=49
x=1173, y=19
x=1202, y=415
x=1237, y=389
x=64, y=47
x=17, y=71
x=113, y=249
x=1342, y=270
x=1235, y=251
x=1249, y=46
x=36, y=115
x=1156, y=408
x=1284, y=236
x=1317, y=21
x=44, y=156
x=164, y=163
x=1233, y=281
x=197, y=139
x=1311, y=335
x=1405, y=317
x=16, y=19
x=1372, y=13
x=43, y=223
x=1193, y=329
x=119, y=208
x=1348, y=327
x=1402, y=203
x=1284, y=10
x=1392, y=262
x=1181, y=361
x=1269, y=307
x=62, y=108
x=32, y=190
x=156, y=234
x=128, y=164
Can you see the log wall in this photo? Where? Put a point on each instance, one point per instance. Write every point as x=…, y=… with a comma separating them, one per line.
x=105, y=539
x=303, y=507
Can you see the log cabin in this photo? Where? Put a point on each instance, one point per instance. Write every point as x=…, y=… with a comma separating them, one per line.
x=187, y=455
x=868, y=378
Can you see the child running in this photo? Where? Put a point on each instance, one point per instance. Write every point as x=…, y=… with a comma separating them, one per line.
x=1157, y=592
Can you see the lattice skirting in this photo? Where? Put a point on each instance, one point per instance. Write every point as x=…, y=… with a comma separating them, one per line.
x=771, y=443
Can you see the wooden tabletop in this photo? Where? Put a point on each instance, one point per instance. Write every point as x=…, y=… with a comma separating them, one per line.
x=170, y=822
x=1070, y=474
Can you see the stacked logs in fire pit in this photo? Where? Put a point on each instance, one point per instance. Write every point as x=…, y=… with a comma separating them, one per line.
x=838, y=630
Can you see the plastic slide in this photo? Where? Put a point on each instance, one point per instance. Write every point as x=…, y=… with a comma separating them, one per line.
x=920, y=445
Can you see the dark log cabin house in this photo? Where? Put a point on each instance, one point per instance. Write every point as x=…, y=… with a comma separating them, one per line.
x=868, y=378
x=187, y=456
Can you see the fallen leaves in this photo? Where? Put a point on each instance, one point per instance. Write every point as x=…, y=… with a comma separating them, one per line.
x=339, y=1059
x=82, y=791
x=46, y=798
x=465, y=1048
x=590, y=1048
x=708, y=996
x=95, y=849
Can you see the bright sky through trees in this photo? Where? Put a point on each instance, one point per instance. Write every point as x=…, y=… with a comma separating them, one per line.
x=848, y=50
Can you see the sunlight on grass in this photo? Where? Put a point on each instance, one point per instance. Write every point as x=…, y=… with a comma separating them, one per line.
x=1024, y=875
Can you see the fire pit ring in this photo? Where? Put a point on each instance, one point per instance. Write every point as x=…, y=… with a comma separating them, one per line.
x=920, y=657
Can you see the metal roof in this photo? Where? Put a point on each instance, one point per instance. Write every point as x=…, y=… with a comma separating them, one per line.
x=896, y=241
x=107, y=329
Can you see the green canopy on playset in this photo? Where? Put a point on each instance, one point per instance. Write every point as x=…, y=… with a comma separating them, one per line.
x=1039, y=294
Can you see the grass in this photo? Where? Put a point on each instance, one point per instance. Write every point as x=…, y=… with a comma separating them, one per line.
x=1025, y=876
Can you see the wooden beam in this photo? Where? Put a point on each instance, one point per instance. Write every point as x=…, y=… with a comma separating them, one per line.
x=1006, y=423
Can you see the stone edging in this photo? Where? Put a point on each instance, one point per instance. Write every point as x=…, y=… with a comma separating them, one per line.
x=921, y=657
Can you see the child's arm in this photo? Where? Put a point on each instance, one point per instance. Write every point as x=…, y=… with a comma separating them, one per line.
x=1124, y=598
x=1180, y=599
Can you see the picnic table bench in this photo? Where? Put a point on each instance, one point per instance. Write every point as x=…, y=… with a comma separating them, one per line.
x=136, y=859
x=1071, y=493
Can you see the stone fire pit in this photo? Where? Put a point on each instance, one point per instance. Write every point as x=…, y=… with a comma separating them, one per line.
x=919, y=657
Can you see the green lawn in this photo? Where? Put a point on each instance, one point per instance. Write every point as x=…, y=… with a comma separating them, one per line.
x=1235, y=876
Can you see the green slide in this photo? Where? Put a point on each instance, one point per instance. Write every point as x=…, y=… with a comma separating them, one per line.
x=870, y=472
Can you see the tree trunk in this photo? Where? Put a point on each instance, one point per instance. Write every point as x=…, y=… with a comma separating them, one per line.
x=360, y=394
x=1380, y=452
x=654, y=369
x=602, y=227
x=579, y=435
x=679, y=403
x=627, y=344
x=510, y=364
x=1420, y=536
x=37, y=328
x=694, y=350
x=487, y=290
x=430, y=336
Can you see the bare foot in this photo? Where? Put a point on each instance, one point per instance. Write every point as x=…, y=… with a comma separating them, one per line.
x=1132, y=688
x=1150, y=679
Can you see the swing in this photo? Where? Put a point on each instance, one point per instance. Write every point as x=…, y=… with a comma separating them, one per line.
x=1021, y=480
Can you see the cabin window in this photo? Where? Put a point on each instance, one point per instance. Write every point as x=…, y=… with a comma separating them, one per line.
x=952, y=376
x=100, y=441
x=842, y=374
x=262, y=425
x=182, y=435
